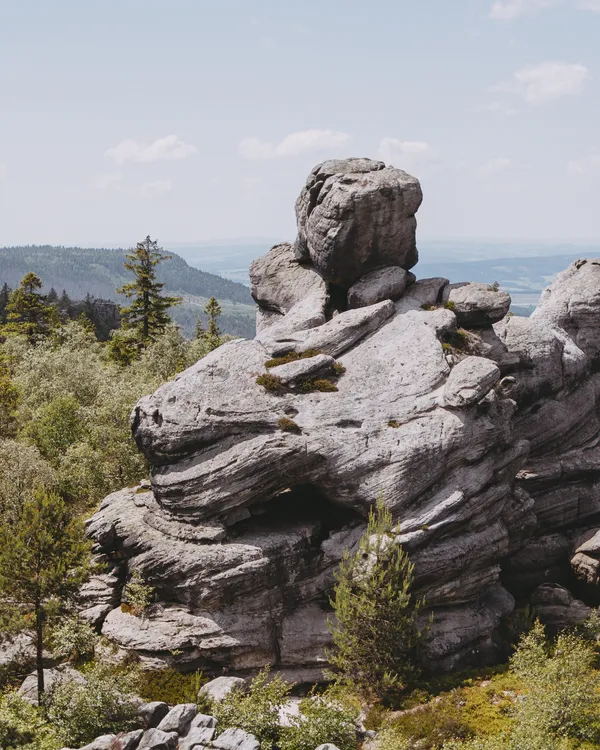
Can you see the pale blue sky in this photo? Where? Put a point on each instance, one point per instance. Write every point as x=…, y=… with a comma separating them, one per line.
x=199, y=119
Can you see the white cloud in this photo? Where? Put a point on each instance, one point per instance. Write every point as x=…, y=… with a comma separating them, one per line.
x=547, y=81
x=590, y=162
x=497, y=165
x=157, y=188
x=406, y=154
x=169, y=148
x=294, y=144
x=507, y=10
x=106, y=181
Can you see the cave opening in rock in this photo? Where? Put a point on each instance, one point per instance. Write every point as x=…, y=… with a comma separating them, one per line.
x=294, y=506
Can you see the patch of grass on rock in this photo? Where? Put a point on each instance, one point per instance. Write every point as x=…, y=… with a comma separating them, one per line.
x=288, y=425
x=271, y=383
x=291, y=357
x=318, y=384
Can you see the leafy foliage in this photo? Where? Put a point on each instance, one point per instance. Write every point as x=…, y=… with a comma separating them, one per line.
x=27, y=311
x=256, y=711
x=24, y=726
x=322, y=719
x=73, y=639
x=137, y=594
x=103, y=704
x=375, y=630
x=170, y=686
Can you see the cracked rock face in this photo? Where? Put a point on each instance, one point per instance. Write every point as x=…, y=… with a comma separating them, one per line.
x=483, y=445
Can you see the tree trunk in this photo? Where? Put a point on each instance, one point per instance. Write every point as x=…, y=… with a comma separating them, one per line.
x=39, y=648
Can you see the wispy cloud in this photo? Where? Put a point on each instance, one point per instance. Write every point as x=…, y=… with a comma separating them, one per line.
x=169, y=148
x=301, y=142
x=496, y=166
x=508, y=10
x=585, y=165
x=107, y=181
x=406, y=154
x=159, y=187
x=546, y=82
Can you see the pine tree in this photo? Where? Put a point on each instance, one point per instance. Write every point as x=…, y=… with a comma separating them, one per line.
x=4, y=299
x=147, y=314
x=213, y=335
x=27, y=312
x=64, y=302
x=44, y=558
x=52, y=297
x=375, y=630
x=199, y=331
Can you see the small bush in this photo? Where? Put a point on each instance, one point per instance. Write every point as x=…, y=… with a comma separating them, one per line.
x=170, y=686
x=24, y=726
x=137, y=595
x=73, y=639
x=438, y=721
x=291, y=357
x=271, y=383
x=256, y=711
x=449, y=305
x=393, y=423
x=321, y=720
x=104, y=704
x=288, y=425
x=318, y=384
x=338, y=368
x=495, y=287
x=428, y=308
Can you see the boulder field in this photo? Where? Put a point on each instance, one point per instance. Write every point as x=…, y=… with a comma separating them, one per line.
x=477, y=428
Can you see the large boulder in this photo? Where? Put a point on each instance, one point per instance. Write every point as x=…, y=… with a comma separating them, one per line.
x=355, y=215
x=259, y=485
x=377, y=286
x=476, y=305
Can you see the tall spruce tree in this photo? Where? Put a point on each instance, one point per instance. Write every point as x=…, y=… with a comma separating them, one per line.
x=212, y=335
x=27, y=311
x=4, y=300
x=44, y=558
x=375, y=630
x=147, y=314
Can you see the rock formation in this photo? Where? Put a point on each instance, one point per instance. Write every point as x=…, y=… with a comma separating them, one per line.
x=479, y=430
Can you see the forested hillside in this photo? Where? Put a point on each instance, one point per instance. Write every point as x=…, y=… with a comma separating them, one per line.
x=99, y=272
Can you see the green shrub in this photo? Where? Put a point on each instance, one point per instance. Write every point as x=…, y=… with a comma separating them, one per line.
x=428, y=308
x=393, y=423
x=24, y=726
x=495, y=287
x=271, y=383
x=317, y=384
x=73, y=639
x=288, y=425
x=375, y=632
x=256, y=711
x=338, y=368
x=291, y=357
x=137, y=595
x=449, y=305
x=322, y=719
x=170, y=686
x=104, y=704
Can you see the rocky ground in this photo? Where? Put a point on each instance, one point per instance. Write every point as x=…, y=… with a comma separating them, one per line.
x=478, y=429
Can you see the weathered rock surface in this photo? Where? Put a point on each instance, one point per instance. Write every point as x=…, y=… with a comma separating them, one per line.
x=128, y=741
x=470, y=381
x=151, y=714
x=494, y=481
x=355, y=215
x=155, y=739
x=29, y=690
x=236, y=739
x=557, y=607
x=476, y=305
x=179, y=718
x=377, y=286
x=220, y=687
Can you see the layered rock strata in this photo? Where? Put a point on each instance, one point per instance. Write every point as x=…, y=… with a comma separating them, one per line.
x=479, y=431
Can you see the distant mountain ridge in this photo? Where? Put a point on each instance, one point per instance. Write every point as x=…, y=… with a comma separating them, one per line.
x=99, y=272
